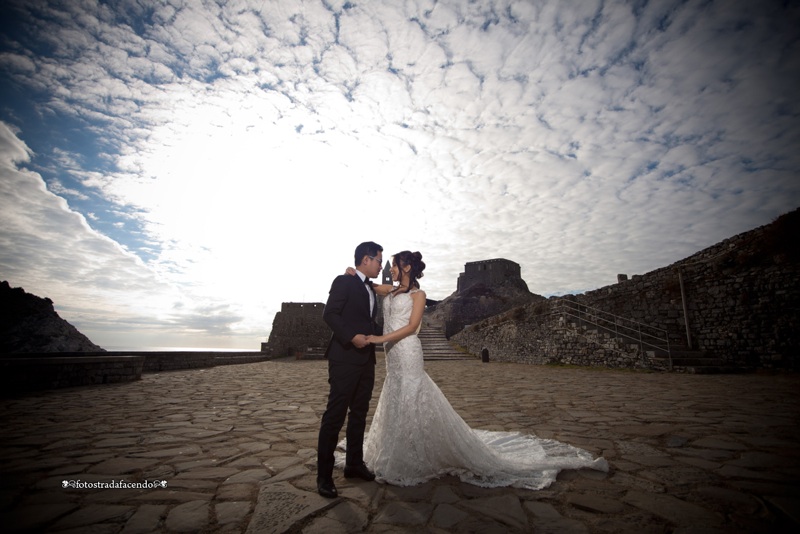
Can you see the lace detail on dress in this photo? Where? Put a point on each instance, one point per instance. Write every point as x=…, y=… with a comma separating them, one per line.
x=416, y=435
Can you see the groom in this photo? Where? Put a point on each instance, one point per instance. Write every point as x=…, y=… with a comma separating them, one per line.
x=350, y=312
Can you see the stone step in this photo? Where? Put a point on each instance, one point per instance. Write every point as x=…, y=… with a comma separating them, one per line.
x=435, y=346
x=697, y=362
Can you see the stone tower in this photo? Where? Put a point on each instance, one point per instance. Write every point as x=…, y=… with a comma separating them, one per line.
x=298, y=327
x=489, y=273
x=387, y=273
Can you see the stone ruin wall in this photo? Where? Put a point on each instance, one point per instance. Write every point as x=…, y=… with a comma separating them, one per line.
x=485, y=288
x=296, y=328
x=488, y=272
x=533, y=335
x=739, y=310
x=299, y=326
x=741, y=299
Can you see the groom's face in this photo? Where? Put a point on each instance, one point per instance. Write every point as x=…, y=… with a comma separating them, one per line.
x=371, y=265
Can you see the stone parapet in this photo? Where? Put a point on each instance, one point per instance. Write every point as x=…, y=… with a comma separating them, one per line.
x=37, y=372
x=21, y=372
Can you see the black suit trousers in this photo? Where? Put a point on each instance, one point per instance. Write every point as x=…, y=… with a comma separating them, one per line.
x=350, y=389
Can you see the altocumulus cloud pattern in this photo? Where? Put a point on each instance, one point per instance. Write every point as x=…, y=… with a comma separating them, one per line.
x=172, y=171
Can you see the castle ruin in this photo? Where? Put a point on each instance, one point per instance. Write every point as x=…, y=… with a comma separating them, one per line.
x=488, y=272
x=732, y=306
x=296, y=328
x=299, y=327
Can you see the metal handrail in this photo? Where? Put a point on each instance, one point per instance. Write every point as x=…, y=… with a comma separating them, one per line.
x=635, y=330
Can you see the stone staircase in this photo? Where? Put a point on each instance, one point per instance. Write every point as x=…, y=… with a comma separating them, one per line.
x=435, y=345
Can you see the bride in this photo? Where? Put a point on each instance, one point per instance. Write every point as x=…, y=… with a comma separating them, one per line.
x=416, y=435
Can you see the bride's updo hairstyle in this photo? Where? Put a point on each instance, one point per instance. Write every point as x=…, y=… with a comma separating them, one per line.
x=414, y=260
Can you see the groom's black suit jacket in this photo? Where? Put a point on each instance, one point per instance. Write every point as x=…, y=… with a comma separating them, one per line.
x=347, y=313
x=351, y=373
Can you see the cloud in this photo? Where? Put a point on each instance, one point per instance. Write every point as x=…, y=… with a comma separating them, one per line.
x=42, y=236
x=47, y=246
x=238, y=153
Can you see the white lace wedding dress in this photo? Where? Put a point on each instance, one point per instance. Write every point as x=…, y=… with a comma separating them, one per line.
x=416, y=435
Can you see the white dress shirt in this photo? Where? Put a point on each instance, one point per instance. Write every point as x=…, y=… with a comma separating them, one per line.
x=369, y=290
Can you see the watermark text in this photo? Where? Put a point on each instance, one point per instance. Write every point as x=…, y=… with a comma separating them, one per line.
x=113, y=484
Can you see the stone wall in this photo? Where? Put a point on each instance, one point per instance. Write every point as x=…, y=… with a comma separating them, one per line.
x=538, y=334
x=172, y=361
x=741, y=299
x=28, y=372
x=297, y=327
x=19, y=374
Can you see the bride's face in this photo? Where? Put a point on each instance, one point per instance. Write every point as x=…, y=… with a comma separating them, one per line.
x=397, y=275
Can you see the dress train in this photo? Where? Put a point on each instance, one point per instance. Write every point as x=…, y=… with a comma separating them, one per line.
x=416, y=435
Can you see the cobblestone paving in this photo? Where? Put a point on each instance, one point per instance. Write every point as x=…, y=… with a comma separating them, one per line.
x=235, y=446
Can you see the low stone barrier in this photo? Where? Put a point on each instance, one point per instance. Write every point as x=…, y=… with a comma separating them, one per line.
x=36, y=371
x=234, y=358
x=18, y=374
x=172, y=361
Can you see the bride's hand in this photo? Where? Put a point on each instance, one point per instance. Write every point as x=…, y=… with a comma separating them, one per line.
x=375, y=339
x=350, y=271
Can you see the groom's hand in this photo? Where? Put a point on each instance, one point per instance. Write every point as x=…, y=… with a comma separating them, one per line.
x=359, y=341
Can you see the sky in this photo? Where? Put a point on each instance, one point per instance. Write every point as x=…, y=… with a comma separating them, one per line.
x=172, y=171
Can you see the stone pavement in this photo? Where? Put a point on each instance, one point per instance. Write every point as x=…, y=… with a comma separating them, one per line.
x=232, y=449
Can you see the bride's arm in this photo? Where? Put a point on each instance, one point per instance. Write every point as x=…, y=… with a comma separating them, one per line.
x=418, y=299
x=380, y=289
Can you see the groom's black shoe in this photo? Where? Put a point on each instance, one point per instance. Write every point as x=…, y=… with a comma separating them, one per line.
x=327, y=489
x=358, y=471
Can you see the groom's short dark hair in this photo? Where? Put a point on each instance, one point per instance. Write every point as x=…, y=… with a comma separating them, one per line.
x=368, y=248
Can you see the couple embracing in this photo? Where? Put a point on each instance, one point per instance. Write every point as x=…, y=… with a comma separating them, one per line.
x=415, y=434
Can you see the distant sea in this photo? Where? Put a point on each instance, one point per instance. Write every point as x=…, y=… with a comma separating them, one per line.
x=112, y=348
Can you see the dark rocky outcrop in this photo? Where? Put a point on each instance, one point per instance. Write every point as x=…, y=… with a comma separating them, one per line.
x=30, y=324
x=479, y=301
